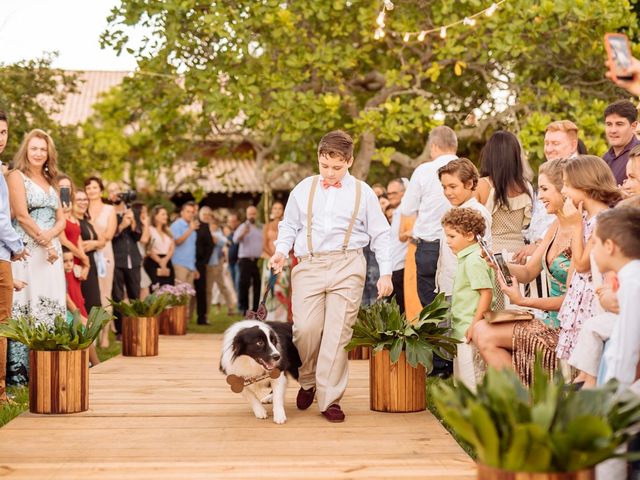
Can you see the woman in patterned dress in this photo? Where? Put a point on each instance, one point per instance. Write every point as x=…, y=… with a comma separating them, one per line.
x=39, y=219
x=279, y=302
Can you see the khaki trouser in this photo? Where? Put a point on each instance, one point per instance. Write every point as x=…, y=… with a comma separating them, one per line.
x=6, y=301
x=184, y=275
x=589, y=347
x=215, y=274
x=326, y=295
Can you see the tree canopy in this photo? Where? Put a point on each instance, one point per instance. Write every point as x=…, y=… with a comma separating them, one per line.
x=291, y=71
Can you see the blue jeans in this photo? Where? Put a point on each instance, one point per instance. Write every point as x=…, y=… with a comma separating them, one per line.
x=427, y=254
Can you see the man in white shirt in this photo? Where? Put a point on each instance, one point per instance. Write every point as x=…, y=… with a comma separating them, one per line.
x=425, y=198
x=328, y=220
x=395, y=192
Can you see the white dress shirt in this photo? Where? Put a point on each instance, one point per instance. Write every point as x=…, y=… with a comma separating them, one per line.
x=448, y=261
x=398, y=248
x=425, y=197
x=623, y=349
x=332, y=211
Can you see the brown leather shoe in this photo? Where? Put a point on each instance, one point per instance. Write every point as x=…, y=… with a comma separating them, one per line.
x=305, y=398
x=334, y=413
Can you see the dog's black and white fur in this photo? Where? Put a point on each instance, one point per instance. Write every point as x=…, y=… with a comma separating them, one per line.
x=252, y=348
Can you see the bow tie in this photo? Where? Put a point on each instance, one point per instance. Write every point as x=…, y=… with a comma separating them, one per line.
x=326, y=184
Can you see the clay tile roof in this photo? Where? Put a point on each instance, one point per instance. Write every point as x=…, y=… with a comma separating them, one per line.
x=78, y=106
x=222, y=175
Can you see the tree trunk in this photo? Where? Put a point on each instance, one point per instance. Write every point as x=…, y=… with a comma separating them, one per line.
x=362, y=162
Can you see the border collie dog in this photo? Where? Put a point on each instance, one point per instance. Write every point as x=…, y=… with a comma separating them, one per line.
x=252, y=348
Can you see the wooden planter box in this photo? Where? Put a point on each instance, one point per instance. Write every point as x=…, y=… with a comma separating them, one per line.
x=58, y=381
x=491, y=473
x=173, y=321
x=140, y=336
x=396, y=387
x=360, y=353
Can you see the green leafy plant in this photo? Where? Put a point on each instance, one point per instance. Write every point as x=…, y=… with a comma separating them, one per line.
x=381, y=326
x=62, y=335
x=545, y=429
x=151, y=306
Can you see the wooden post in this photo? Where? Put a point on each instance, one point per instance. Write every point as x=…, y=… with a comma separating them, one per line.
x=58, y=381
x=396, y=387
x=360, y=353
x=491, y=473
x=173, y=321
x=140, y=336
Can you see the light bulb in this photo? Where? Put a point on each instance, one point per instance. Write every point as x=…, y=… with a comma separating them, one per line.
x=491, y=10
x=407, y=37
x=380, y=19
x=379, y=34
x=388, y=4
x=469, y=21
x=443, y=32
x=422, y=35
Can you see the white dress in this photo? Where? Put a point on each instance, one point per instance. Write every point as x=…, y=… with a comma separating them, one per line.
x=44, y=297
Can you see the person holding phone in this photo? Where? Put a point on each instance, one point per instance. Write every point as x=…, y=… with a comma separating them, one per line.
x=39, y=221
x=501, y=344
x=70, y=236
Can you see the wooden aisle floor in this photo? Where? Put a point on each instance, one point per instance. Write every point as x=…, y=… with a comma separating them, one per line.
x=173, y=416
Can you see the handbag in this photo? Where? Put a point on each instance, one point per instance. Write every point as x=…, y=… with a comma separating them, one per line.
x=508, y=315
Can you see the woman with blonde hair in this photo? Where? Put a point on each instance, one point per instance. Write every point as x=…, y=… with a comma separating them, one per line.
x=39, y=219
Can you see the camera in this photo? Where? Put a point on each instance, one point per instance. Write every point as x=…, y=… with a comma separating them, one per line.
x=127, y=197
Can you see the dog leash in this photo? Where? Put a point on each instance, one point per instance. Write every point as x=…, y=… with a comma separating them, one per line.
x=261, y=312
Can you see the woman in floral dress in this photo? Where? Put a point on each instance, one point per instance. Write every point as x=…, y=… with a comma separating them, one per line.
x=39, y=219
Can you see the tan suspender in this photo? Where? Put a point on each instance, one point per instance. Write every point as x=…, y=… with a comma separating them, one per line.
x=312, y=193
x=354, y=215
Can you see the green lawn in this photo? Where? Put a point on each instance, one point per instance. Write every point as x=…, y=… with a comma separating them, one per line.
x=220, y=321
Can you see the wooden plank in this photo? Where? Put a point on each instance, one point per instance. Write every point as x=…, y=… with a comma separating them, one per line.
x=173, y=416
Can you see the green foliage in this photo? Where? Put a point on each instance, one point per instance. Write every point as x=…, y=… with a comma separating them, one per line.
x=151, y=306
x=61, y=336
x=280, y=74
x=32, y=93
x=545, y=429
x=382, y=326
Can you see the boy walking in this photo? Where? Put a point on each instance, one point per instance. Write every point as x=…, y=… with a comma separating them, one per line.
x=329, y=218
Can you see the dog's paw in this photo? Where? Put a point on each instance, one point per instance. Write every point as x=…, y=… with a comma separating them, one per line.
x=268, y=398
x=260, y=412
x=279, y=417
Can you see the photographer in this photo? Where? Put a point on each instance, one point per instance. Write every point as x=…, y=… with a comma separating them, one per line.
x=125, y=248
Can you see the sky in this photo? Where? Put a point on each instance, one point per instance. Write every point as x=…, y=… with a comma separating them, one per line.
x=72, y=27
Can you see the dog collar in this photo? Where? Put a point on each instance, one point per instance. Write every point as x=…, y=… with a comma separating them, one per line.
x=238, y=383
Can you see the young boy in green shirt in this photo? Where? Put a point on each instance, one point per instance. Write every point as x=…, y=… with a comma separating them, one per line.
x=472, y=287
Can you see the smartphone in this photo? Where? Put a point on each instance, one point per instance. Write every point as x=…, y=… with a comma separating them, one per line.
x=65, y=196
x=504, y=269
x=619, y=53
x=485, y=248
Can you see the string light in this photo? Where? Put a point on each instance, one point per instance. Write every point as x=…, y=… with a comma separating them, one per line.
x=420, y=35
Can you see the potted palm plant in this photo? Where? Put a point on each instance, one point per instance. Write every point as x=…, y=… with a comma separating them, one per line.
x=173, y=321
x=140, y=325
x=402, y=352
x=58, y=359
x=547, y=432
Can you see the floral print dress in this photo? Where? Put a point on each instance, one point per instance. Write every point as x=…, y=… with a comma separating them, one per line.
x=579, y=303
x=44, y=297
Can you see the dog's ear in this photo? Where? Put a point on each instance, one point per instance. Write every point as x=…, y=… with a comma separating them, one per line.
x=238, y=346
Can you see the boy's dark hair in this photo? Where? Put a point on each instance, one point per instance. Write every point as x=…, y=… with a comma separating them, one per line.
x=3, y=116
x=465, y=220
x=624, y=108
x=622, y=226
x=98, y=180
x=65, y=250
x=336, y=144
x=462, y=168
x=190, y=203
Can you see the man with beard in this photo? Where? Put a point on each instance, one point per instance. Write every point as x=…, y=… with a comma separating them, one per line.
x=249, y=238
